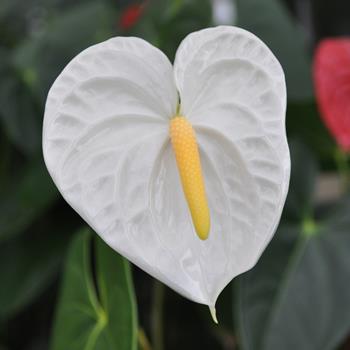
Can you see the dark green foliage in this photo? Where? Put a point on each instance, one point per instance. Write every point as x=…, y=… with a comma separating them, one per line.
x=19, y=113
x=100, y=315
x=90, y=23
x=28, y=265
x=296, y=296
x=28, y=197
x=167, y=22
x=304, y=172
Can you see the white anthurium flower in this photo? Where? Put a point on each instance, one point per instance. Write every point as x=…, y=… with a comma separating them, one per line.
x=190, y=191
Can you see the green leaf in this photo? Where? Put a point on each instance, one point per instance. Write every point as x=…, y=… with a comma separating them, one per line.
x=304, y=122
x=30, y=195
x=19, y=115
x=41, y=59
x=28, y=265
x=304, y=171
x=297, y=295
x=95, y=317
x=270, y=21
x=166, y=23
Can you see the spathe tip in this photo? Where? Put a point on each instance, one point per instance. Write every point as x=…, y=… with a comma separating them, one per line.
x=213, y=314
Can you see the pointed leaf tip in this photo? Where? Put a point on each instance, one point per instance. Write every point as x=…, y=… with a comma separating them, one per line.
x=213, y=314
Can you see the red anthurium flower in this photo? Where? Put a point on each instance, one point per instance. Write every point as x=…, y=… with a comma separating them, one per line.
x=130, y=16
x=332, y=85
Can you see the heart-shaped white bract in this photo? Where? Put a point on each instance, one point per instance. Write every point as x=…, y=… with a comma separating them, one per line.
x=106, y=145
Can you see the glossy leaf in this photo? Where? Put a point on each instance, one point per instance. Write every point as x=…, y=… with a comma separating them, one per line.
x=297, y=296
x=95, y=316
x=270, y=21
x=332, y=85
x=31, y=195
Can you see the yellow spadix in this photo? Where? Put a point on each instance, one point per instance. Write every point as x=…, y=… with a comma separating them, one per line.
x=183, y=139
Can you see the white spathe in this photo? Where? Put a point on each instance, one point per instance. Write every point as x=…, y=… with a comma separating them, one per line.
x=106, y=145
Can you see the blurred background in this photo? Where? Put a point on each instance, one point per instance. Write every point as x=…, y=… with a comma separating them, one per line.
x=298, y=295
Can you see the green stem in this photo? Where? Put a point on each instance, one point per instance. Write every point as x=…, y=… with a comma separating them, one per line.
x=157, y=315
x=309, y=226
x=342, y=161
